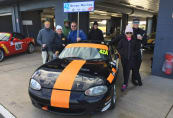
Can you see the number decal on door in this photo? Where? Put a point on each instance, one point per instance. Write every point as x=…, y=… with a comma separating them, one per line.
x=18, y=46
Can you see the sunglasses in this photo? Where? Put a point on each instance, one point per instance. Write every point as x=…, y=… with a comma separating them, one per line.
x=129, y=33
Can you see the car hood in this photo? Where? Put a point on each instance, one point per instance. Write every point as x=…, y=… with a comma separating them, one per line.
x=72, y=75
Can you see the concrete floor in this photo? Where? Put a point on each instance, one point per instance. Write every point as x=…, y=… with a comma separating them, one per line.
x=153, y=100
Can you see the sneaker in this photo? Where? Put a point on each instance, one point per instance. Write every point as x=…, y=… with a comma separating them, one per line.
x=124, y=87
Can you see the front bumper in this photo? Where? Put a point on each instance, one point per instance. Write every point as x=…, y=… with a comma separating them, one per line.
x=79, y=103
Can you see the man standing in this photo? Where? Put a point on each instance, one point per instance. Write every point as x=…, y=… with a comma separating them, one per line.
x=95, y=34
x=73, y=38
x=66, y=28
x=139, y=34
x=46, y=39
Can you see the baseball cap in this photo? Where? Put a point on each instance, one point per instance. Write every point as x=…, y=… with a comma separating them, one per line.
x=136, y=21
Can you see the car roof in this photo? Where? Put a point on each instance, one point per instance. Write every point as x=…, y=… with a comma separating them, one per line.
x=89, y=45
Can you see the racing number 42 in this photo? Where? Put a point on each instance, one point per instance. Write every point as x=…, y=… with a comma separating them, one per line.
x=105, y=52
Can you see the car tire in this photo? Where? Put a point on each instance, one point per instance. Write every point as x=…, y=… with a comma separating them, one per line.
x=2, y=55
x=114, y=97
x=31, y=48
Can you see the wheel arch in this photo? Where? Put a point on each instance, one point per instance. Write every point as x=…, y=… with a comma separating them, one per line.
x=2, y=50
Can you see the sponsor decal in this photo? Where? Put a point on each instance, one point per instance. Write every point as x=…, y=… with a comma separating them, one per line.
x=112, y=75
x=18, y=45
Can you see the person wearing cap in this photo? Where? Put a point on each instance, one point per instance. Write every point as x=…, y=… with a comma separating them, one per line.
x=60, y=41
x=72, y=37
x=129, y=49
x=66, y=29
x=46, y=38
x=139, y=34
x=95, y=34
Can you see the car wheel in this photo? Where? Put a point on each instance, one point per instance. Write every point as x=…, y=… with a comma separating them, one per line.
x=31, y=48
x=1, y=55
x=114, y=97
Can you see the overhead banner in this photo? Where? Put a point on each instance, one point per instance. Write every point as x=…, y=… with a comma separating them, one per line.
x=87, y=6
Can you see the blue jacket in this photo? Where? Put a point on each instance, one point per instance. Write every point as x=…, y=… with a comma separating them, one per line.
x=72, y=37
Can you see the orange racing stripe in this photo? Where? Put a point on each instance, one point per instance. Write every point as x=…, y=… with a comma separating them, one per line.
x=87, y=45
x=61, y=98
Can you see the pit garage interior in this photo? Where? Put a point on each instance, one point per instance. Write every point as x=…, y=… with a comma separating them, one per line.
x=27, y=17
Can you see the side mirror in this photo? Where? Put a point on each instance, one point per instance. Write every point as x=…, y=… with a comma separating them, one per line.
x=14, y=39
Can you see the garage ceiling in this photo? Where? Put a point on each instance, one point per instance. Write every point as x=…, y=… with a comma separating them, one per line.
x=148, y=5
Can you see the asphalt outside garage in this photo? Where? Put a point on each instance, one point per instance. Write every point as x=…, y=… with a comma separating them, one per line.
x=153, y=100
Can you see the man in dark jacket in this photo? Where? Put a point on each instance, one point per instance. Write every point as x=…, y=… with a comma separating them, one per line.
x=46, y=39
x=95, y=34
x=139, y=34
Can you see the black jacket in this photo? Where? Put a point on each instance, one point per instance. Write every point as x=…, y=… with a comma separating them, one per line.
x=129, y=50
x=59, y=42
x=96, y=34
x=142, y=33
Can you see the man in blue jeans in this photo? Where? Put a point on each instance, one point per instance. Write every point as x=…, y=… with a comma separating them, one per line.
x=72, y=38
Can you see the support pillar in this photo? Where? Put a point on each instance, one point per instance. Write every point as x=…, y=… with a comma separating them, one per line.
x=60, y=16
x=154, y=25
x=84, y=20
x=149, y=26
x=163, y=37
x=16, y=19
x=124, y=22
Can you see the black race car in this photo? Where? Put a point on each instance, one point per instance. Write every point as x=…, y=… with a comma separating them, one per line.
x=80, y=81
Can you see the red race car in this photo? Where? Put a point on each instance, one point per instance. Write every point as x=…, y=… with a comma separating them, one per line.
x=14, y=43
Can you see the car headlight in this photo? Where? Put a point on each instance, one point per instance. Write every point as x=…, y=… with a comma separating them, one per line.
x=96, y=91
x=35, y=85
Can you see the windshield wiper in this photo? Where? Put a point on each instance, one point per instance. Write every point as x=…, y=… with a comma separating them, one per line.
x=97, y=59
x=72, y=58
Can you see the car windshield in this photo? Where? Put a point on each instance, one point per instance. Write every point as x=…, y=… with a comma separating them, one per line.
x=86, y=53
x=4, y=36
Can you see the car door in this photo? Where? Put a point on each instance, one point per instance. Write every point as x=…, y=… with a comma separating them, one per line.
x=23, y=40
x=17, y=43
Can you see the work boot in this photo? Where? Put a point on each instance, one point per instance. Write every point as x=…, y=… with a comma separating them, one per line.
x=134, y=82
x=140, y=83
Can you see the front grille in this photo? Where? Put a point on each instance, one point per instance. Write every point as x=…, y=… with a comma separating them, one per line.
x=67, y=111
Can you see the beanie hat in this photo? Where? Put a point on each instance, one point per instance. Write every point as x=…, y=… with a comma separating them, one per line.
x=129, y=29
x=58, y=27
x=66, y=20
x=95, y=23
